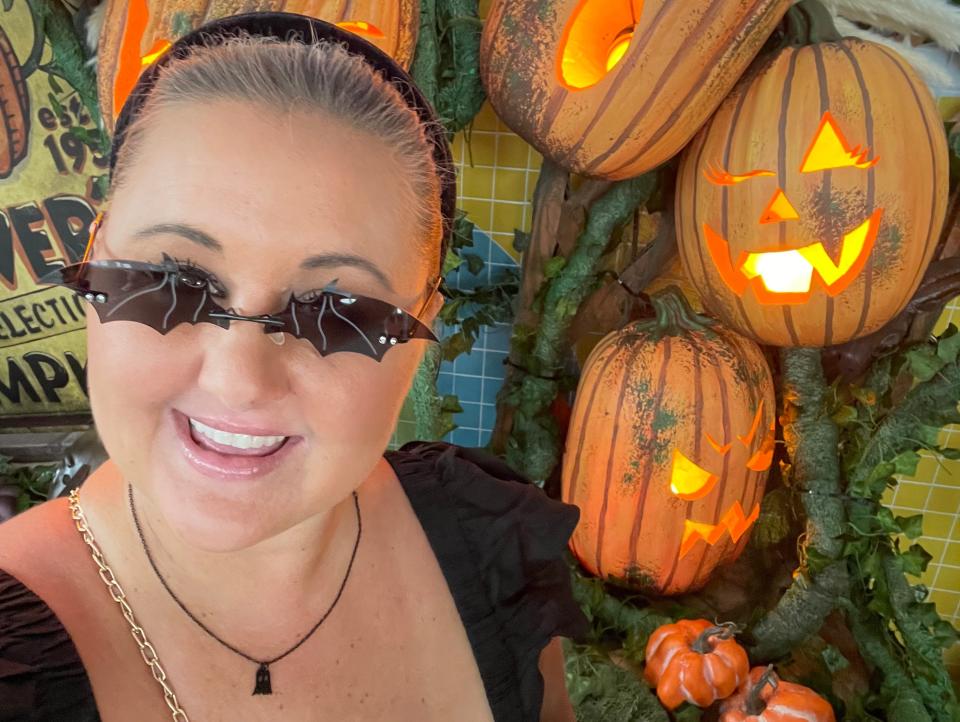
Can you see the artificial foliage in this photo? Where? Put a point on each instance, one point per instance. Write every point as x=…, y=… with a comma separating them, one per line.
x=824, y=590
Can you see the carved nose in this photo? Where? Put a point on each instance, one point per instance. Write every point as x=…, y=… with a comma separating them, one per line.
x=779, y=209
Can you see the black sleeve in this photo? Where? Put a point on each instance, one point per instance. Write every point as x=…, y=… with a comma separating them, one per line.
x=516, y=539
x=41, y=676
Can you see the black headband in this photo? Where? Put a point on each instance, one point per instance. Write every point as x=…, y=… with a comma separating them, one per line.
x=307, y=30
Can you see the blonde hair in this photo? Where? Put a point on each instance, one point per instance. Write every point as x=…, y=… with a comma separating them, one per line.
x=284, y=76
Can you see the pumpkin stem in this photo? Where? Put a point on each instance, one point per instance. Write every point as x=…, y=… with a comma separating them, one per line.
x=809, y=22
x=755, y=704
x=673, y=314
x=703, y=644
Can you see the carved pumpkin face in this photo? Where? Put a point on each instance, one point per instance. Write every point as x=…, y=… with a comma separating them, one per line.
x=667, y=455
x=136, y=32
x=691, y=481
x=809, y=206
x=777, y=275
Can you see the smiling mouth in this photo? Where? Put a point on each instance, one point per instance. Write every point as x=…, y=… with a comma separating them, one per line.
x=791, y=275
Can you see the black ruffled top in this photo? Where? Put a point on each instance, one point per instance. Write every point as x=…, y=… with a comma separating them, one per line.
x=499, y=540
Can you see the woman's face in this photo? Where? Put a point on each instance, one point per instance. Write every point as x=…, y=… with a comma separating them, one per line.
x=272, y=190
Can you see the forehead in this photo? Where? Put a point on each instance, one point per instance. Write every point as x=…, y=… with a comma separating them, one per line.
x=265, y=182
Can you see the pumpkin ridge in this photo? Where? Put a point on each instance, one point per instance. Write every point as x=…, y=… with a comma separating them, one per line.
x=611, y=457
x=698, y=431
x=922, y=267
x=871, y=180
x=612, y=91
x=782, y=169
x=752, y=16
x=826, y=183
x=645, y=108
x=725, y=199
x=654, y=408
x=586, y=414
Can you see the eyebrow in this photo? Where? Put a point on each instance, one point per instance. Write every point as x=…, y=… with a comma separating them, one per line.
x=322, y=260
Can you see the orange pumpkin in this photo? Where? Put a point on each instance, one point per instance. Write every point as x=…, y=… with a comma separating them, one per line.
x=15, y=102
x=612, y=88
x=694, y=661
x=136, y=31
x=766, y=698
x=668, y=450
x=809, y=207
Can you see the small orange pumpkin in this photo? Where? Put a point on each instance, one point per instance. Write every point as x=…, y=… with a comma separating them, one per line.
x=695, y=661
x=767, y=698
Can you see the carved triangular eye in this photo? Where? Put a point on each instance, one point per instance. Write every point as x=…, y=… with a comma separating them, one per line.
x=830, y=149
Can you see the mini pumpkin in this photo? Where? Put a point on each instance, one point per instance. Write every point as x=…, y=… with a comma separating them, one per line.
x=767, y=698
x=612, y=88
x=667, y=453
x=137, y=31
x=695, y=661
x=810, y=205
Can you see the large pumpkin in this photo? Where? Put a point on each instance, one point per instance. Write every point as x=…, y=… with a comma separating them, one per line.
x=613, y=88
x=667, y=453
x=810, y=205
x=135, y=31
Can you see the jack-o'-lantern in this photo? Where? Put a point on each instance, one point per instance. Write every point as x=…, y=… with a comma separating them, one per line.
x=668, y=449
x=136, y=31
x=810, y=205
x=612, y=88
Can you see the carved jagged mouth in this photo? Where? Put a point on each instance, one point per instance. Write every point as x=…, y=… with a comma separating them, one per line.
x=792, y=275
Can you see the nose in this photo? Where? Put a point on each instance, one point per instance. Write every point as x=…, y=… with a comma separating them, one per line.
x=243, y=367
x=779, y=209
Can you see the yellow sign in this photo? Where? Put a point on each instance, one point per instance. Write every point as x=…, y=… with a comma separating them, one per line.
x=47, y=201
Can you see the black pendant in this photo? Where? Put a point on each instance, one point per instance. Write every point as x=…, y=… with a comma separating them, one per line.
x=263, y=680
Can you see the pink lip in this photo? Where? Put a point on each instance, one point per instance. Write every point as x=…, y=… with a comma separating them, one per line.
x=234, y=428
x=228, y=467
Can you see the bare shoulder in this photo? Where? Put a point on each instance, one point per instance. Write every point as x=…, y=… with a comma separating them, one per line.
x=41, y=545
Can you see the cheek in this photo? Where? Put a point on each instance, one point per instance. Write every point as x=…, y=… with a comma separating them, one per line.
x=120, y=356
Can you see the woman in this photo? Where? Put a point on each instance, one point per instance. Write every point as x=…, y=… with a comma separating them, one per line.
x=251, y=530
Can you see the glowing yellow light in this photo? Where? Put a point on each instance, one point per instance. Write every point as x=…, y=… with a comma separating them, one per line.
x=830, y=150
x=778, y=209
x=688, y=480
x=618, y=50
x=734, y=522
x=361, y=27
x=595, y=39
x=160, y=47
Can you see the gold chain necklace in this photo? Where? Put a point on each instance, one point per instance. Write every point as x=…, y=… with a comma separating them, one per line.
x=147, y=651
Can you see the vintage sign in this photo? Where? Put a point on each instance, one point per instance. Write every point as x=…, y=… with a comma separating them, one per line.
x=48, y=197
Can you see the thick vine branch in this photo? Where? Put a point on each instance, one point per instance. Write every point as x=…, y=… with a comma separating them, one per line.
x=812, y=440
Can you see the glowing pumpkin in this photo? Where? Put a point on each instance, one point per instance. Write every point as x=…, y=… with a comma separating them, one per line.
x=668, y=449
x=810, y=205
x=612, y=88
x=136, y=31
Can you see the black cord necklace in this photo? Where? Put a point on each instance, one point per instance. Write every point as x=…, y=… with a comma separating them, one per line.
x=262, y=683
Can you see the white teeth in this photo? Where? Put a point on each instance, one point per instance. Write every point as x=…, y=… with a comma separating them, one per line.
x=240, y=441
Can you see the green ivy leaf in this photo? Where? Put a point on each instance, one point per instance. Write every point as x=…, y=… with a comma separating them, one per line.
x=834, y=659
x=451, y=403
x=475, y=264
x=906, y=463
x=456, y=344
x=844, y=416
x=924, y=362
x=915, y=560
x=451, y=262
x=554, y=266
x=816, y=561
x=948, y=347
x=911, y=526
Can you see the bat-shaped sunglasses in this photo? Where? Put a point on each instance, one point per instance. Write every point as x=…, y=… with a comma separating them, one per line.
x=162, y=296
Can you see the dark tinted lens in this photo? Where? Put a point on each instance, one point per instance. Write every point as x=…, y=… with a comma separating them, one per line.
x=353, y=323
x=141, y=292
